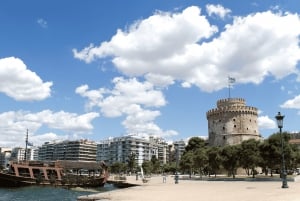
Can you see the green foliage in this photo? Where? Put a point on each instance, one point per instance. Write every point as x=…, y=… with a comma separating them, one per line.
x=147, y=167
x=118, y=168
x=187, y=162
x=271, y=151
x=250, y=155
x=230, y=155
x=194, y=144
x=214, y=160
x=200, y=159
x=132, y=162
x=169, y=168
x=155, y=164
x=296, y=157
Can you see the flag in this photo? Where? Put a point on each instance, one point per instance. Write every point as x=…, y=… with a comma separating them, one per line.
x=231, y=80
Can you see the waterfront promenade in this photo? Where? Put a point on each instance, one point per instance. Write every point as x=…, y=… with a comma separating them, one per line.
x=195, y=190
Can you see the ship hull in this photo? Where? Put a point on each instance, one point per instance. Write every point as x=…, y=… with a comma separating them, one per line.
x=9, y=180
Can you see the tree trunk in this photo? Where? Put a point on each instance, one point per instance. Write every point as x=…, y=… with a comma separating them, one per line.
x=253, y=173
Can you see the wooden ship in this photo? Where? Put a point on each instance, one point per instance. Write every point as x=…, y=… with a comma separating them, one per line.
x=56, y=173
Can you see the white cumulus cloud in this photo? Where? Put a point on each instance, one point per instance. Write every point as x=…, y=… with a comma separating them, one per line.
x=265, y=122
x=217, y=10
x=13, y=126
x=20, y=83
x=172, y=46
x=137, y=101
x=292, y=103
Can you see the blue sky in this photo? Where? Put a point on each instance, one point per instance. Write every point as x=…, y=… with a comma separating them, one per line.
x=99, y=69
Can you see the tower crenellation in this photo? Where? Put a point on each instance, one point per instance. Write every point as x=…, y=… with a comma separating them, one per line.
x=232, y=122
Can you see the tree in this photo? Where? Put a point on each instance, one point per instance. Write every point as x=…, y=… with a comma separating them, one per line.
x=230, y=155
x=296, y=157
x=171, y=167
x=214, y=160
x=155, y=164
x=194, y=143
x=274, y=152
x=200, y=160
x=187, y=162
x=132, y=162
x=250, y=156
x=147, y=167
x=266, y=162
x=118, y=167
x=271, y=152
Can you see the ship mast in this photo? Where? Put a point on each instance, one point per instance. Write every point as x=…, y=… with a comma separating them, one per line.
x=26, y=143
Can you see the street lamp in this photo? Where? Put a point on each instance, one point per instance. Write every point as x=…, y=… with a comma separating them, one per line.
x=279, y=119
x=177, y=161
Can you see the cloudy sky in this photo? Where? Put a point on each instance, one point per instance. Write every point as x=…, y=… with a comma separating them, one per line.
x=100, y=69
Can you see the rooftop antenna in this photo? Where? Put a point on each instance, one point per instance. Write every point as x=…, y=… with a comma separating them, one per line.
x=231, y=81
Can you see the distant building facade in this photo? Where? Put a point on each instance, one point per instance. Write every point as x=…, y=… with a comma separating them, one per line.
x=162, y=153
x=177, y=150
x=232, y=122
x=295, y=139
x=5, y=154
x=78, y=150
x=18, y=154
x=119, y=149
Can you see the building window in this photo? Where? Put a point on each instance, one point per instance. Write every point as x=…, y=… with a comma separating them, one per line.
x=223, y=128
x=234, y=126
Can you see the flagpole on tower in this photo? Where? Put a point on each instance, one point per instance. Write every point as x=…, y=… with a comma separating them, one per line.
x=231, y=80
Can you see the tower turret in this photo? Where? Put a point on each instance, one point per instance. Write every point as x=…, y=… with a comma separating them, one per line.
x=232, y=122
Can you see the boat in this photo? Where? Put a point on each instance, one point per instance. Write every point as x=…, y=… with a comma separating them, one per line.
x=55, y=173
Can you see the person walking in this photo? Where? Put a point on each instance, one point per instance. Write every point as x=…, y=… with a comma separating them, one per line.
x=164, y=178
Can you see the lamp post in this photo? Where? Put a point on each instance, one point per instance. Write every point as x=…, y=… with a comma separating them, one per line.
x=177, y=160
x=279, y=119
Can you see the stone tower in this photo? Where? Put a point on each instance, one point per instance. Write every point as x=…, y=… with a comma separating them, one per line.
x=232, y=122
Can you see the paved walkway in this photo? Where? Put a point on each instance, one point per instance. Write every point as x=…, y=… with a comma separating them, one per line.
x=195, y=190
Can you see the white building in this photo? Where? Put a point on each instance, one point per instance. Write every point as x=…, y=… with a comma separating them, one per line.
x=5, y=154
x=78, y=150
x=119, y=149
x=18, y=154
x=177, y=149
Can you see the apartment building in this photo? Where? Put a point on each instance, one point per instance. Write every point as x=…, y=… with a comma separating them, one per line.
x=119, y=149
x=5, y=154
x=176, y=150
x=18, y=154
x=79, y=150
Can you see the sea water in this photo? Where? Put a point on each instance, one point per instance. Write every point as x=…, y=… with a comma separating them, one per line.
x=38, y=193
